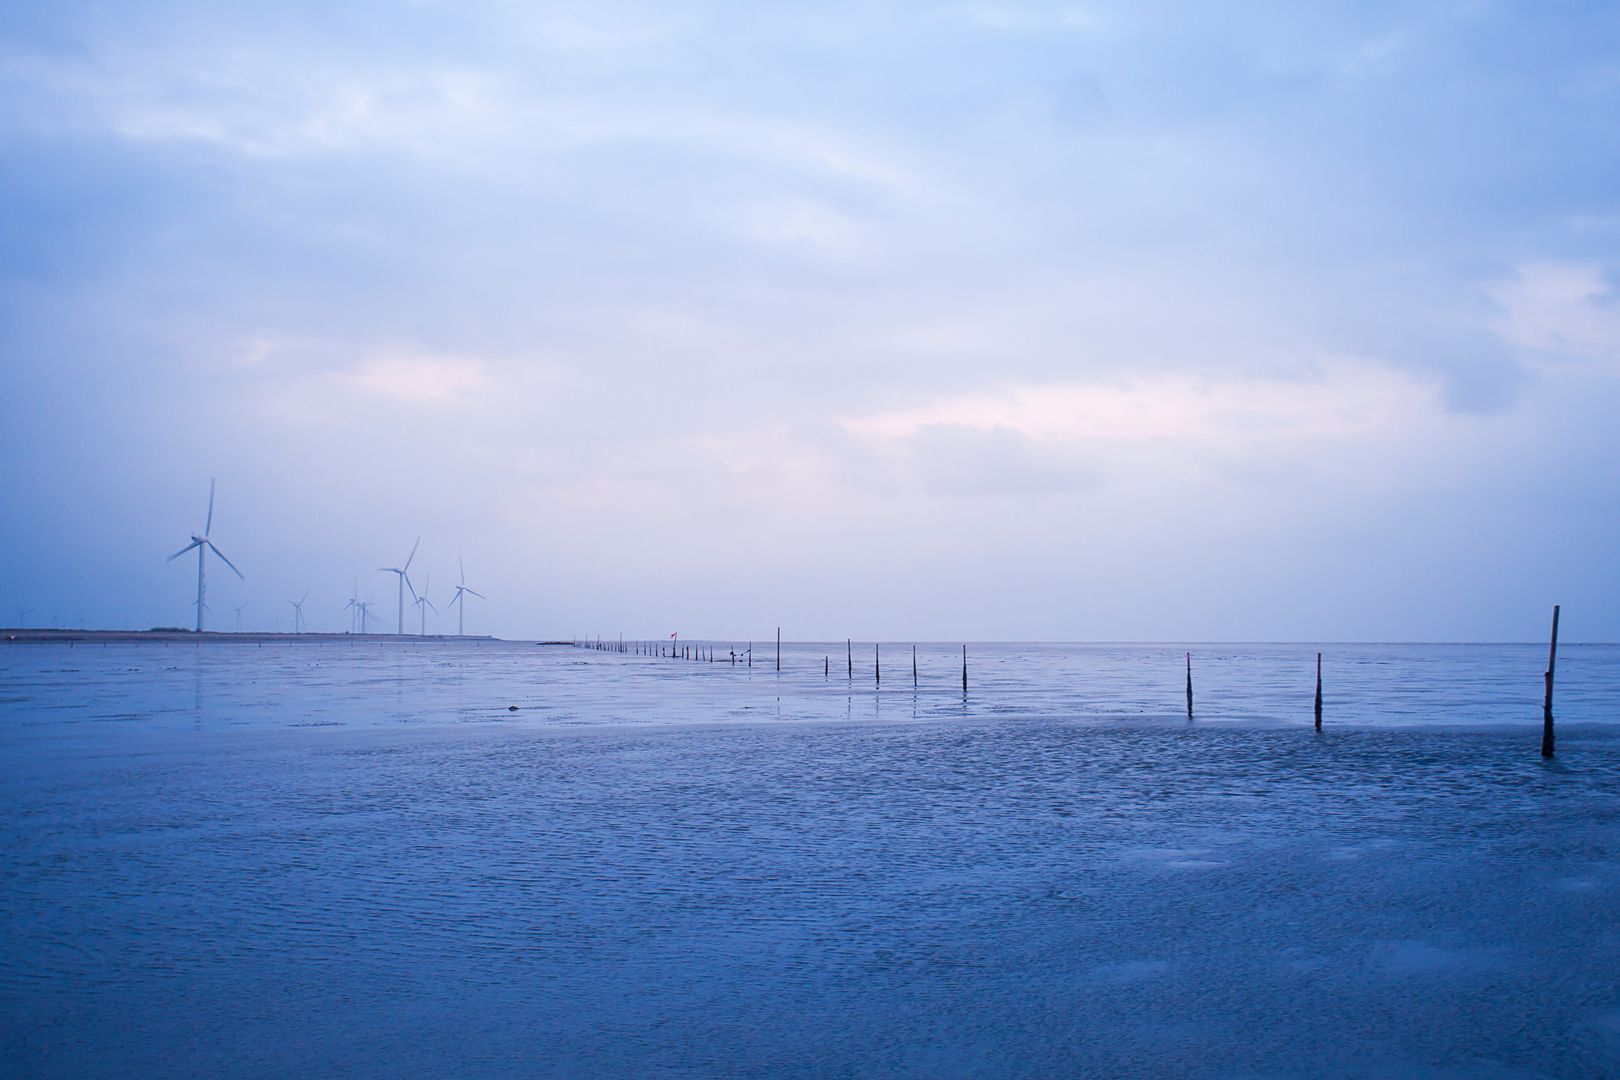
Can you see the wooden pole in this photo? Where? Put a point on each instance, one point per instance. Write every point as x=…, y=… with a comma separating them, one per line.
x=826, y=666
x=1546, y=702
x=750, y=654
x=850, y=648
x=877, y=665
x=1189, y=686
x=1318, y=691
x=964, y=670
x=914, y=667
x=778, y=648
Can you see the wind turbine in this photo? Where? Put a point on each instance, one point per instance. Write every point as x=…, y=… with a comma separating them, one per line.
x=354, y=607
x=423, y=603
x=404, y=582
x=461, y=598
x=204, y=546
x=298, y=613
x=239, y=608
x=361, y=608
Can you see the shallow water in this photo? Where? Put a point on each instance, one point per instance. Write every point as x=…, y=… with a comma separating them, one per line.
x=354, y=860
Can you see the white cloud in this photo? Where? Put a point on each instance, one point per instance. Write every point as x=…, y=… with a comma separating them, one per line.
x=1346, y=399
x=1560, y=307
x=420, y=377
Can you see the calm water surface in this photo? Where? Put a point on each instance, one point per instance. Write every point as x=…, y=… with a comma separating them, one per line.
x=355, y=860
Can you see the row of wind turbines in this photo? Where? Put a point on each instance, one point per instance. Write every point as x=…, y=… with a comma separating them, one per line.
x=359, y=609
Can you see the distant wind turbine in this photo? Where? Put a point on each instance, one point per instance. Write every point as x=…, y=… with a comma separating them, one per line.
x=423, y=603
x=204, y=546
x=298, y=613
x=404, y=582
x=239, y=608
x=460, y=598
x=355, y=607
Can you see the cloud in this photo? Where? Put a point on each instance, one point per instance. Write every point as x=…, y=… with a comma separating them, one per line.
x=1343, y=400
x=419, y=377
x=1568, y=308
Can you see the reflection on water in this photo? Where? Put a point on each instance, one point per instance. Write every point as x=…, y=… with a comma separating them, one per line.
x=353, y=859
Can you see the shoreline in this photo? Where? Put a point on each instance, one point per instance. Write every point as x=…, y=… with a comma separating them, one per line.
x=20, y=636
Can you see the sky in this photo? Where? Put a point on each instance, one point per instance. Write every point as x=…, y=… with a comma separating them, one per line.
x=910, y=321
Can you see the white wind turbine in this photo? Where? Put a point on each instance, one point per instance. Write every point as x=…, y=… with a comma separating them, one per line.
x=404, y=582
x=361, y=609
x=460, y=598
x=423, y=603
x=355, y=608
x=204, y=546
x=298, y=613
x=239, y=608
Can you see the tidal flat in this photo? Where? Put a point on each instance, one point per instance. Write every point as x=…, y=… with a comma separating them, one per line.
x=359, y=860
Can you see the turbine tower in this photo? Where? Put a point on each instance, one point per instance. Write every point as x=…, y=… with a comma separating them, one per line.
x=423, y=603
x=361, y=607
x=239, y=608
x=204, y=546
x=354, y=607
x=404, y=582
x=298, y=613
x=461, y=598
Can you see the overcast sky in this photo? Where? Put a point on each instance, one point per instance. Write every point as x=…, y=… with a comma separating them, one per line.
x=901, y=320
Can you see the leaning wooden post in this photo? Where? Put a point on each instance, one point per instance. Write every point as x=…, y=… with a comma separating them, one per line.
x=914, y=667
x=1318, y=691
x=1189, y=686
x=826, y=666
x=1546, y=702
x=964, y=670
x=778, y=648
x=877, y=665
x=750, y=654
x=849, y=647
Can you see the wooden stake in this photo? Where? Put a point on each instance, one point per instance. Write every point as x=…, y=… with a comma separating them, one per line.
x=964, y=670
x=914, y=667
x=826, y=666
x=1318, y=691
x=778, y=648
x=1546, y=702
x=877, y=666
x=1189, y=686
x=850, y=646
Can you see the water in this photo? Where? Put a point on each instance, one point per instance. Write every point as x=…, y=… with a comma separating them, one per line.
x=354, y=860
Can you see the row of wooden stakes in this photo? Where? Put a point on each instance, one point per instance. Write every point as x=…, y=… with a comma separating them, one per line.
x=699, y=653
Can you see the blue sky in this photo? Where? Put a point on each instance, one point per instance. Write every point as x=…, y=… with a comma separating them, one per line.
x=910, y=320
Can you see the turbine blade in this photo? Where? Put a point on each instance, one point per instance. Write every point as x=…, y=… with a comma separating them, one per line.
x=412, y=555
x=462, y=567
x=227, y=562
x=429, y=603
x=478, y=594
x=305, y=597
x=182, y=551
x=208, y=526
